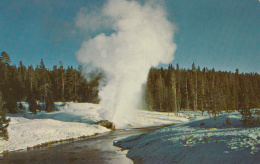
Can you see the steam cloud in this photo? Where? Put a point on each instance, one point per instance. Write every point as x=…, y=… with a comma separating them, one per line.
x=142, y=37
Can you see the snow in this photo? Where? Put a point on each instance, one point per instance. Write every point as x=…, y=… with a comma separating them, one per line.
x=204, y=140
x=195, y=138
x=147, y=118
x=72, y=120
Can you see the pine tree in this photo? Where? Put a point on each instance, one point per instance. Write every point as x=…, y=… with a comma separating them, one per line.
x=30, y=78
x=150, y=89
x=69, y=84
x=50, y=107
x=195, y=87
x=4, y=123
x=172, y=91
x=21, y=80
x=43, y=81
x=201, y=91
x=178, y=87
x=192, y=88
x=174, y=86
x=54, y=82
x=159, y=92
x=21, y=107
x=15, y=86
x=247, y=117
x=36, y=83
x=61, y=80
x=11, y=106
x=42, y=65
x=236, y=90
x=5, y=58
x=22, y=76
x=32, y=103
x=187, y=91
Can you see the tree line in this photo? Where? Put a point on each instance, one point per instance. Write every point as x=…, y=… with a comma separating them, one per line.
x=20, y=83
x=174, y=89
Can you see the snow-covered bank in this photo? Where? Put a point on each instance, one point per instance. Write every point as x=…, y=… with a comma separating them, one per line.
x=147, y=118
x=25, y=133
x=200, y=141
x=27, y=130
x=71, y=121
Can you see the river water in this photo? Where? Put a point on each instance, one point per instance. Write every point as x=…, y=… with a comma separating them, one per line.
x=96, y=150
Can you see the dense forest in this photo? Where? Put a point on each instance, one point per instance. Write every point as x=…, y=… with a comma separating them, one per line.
x=167, y=90
x=174, y=89
x=70, y=84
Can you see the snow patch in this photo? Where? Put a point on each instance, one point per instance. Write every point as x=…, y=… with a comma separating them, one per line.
x=194, y=142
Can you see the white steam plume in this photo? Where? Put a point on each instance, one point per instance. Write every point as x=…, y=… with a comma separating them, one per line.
x=143, y=38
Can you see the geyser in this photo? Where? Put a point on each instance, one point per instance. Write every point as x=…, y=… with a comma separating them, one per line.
x=142, y=37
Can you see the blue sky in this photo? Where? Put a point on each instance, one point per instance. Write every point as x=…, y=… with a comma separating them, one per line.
x=224, y=34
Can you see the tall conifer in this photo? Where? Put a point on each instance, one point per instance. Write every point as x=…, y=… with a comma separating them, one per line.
x=50, y=107
x=4, y=123
x=32, y=102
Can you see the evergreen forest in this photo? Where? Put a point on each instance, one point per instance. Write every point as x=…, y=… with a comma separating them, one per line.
x=174, y=89
x=167, y=90
x=59, y=84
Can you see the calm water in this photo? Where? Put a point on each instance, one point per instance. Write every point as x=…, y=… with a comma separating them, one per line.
x=96, y=150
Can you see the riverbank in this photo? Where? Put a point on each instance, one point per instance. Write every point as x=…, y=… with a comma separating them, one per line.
x=28, y=130
x=98, y=149
x=72, y=121
x=210, y=140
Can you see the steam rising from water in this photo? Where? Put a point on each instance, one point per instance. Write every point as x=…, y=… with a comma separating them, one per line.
x=143, y=38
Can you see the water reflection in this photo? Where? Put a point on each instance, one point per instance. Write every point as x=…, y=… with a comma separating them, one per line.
x=97, y=150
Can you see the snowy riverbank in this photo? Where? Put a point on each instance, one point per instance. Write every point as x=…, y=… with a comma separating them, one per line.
x=200, y=141
x=73, y=120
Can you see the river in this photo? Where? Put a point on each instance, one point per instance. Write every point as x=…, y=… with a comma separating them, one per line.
x=96, y=150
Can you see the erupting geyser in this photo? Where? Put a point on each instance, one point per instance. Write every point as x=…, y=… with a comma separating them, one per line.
x=142, y=37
